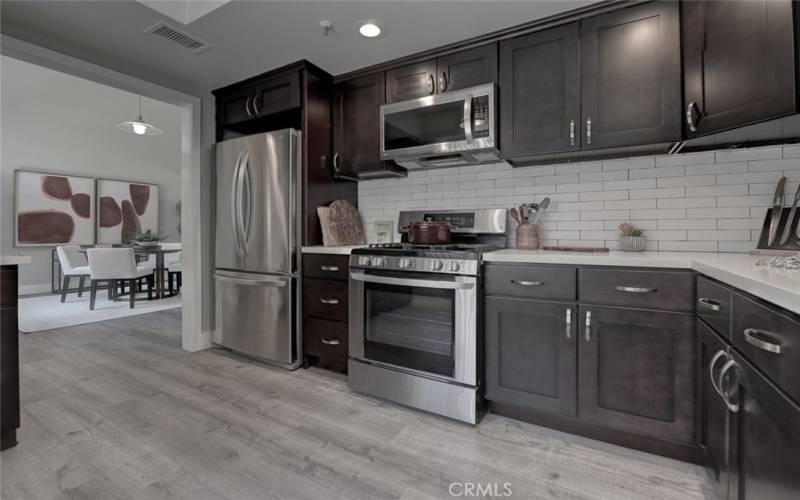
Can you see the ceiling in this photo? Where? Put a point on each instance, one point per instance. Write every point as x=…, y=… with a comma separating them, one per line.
x=251, y=37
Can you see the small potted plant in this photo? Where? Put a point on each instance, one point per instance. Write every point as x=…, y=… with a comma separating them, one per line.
x=147, y=238
x=631, y=238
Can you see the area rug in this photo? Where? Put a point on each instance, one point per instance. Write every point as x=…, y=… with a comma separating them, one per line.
x=47, y=312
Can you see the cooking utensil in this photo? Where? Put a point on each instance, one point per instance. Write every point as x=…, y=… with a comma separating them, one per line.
x=787, y=231
x=515, y=215
x=429, y=233
x=777, y=208
x=542, y=207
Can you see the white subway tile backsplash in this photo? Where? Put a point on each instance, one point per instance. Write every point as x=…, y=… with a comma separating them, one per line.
x=708, y=201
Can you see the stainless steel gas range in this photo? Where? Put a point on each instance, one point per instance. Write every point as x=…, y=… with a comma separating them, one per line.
x=415, y=316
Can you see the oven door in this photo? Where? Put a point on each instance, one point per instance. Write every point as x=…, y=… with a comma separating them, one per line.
x=453, y=122
x=415, y=322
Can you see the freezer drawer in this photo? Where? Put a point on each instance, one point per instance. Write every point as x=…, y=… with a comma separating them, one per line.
x=254, y=315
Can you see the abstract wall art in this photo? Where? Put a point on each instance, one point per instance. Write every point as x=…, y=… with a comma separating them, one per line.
x=125, y=208
x=53, y=209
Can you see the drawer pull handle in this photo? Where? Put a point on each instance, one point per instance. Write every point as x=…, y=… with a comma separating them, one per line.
x=568, y=329
x=751, y=336
x=330, y=341
x=527, y=283
x=330, y=302
x=635, y=289
x=711, y=305
x=588, y=332
x=331, y=269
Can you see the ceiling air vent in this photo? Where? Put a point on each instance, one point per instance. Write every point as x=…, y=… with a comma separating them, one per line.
x=174, y=35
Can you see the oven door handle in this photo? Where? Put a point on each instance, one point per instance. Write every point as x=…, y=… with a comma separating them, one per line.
x=388, y=280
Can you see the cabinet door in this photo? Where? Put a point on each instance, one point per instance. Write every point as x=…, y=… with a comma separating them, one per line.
x=637, y=371
x=235, y=106
x=276, y=94
x=738, y=63
x=764, y=437
x=411, y=81
x=539, y=93
x=712, y=414
x=356, y=133
x=630, y=77
x=531, y=354
x=467, y=68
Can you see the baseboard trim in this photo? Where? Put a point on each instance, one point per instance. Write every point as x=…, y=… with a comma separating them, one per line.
x=34, y=289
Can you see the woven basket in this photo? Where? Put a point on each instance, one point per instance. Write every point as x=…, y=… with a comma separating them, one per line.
x=632, y=243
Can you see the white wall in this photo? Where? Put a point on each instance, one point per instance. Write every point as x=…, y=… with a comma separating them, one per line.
x=56, y=122
x=708, y=202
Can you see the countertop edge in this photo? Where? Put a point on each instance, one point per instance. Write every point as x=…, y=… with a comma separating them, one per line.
x=341, y=250
x=14, y=260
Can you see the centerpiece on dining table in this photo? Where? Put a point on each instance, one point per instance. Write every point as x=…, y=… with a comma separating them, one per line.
x=147, y=239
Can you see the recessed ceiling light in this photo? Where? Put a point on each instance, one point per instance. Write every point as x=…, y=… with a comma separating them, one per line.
x=370, y=28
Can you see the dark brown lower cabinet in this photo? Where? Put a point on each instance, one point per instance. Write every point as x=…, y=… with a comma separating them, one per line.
x=711, y=410
x=325, y=326
x=763, y=436
x=531, y=354
x=9, y=358
x=637, y=371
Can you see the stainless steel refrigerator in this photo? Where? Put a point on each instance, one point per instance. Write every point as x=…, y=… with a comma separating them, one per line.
x=257, y=246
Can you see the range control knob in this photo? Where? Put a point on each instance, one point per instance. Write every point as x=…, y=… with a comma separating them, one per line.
x=405, y=263
x=453, y=266
x=438, y=265
x=377, y=261
x=363, y=261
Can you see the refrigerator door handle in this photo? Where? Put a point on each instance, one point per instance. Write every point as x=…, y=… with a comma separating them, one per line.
x=247, y=223
x=251, y=279
x=239, y=206
x=235, y=205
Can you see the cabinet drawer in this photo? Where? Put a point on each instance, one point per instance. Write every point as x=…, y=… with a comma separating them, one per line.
x=714, y=305
x=332, y=267
x=647, y=289
x=770, y=339
x=531, y=282
x=325, y=299
x=327, y=342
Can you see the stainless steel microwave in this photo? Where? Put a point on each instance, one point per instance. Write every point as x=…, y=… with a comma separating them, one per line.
x=443, y=130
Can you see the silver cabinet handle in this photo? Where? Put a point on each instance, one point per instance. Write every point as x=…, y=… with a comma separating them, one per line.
x=588, y=332
x=330, y=302
x=568, y=329
x=468, y=118
x=431, y=84
x=588, y=130
x=331, y=269
x=337, y=162
x=572, y=132
x=330, y=341
x=751, y=336
x=256, y=111
x=527, y=283
x=711, y=365
x=711, y=305
x=635, y=289
x=247, y=106
x=690, y=122
x=443, y=82
x=733, y=407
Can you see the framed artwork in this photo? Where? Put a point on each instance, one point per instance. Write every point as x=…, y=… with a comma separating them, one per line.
x=125, y=208
x=382, y=231
x=53, y=209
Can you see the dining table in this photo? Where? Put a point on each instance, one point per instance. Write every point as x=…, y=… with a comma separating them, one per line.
x=144, y=252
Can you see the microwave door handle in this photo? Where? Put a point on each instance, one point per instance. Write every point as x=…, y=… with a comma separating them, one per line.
x=468, y=118
x=389, y=280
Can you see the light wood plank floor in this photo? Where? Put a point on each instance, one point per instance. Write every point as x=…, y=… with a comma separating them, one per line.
x=117, y=410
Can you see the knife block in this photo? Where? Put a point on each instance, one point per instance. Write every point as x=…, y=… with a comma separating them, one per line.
x=792, y=245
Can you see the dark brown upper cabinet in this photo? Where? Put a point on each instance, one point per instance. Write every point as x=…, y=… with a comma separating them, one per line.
x=738, y=63
x=411, y=81
x=234, y=106
x=276, y=94
x=467, y=68
x=458, y=70
x=540, y=101
x=356, y=129
x=630, y=77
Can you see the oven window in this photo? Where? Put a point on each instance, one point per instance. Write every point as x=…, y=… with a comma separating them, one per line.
x=410, y=327
x=424, y=126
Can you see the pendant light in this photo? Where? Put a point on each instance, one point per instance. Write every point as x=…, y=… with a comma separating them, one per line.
x=139, y=127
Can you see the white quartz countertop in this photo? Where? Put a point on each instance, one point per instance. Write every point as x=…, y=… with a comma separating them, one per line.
x=779, y=286
x=13, y=260
x=341, y=250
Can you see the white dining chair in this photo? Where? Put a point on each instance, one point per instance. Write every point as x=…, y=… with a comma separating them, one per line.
x=73, y=265
x=172, y=261
x=114, y=265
